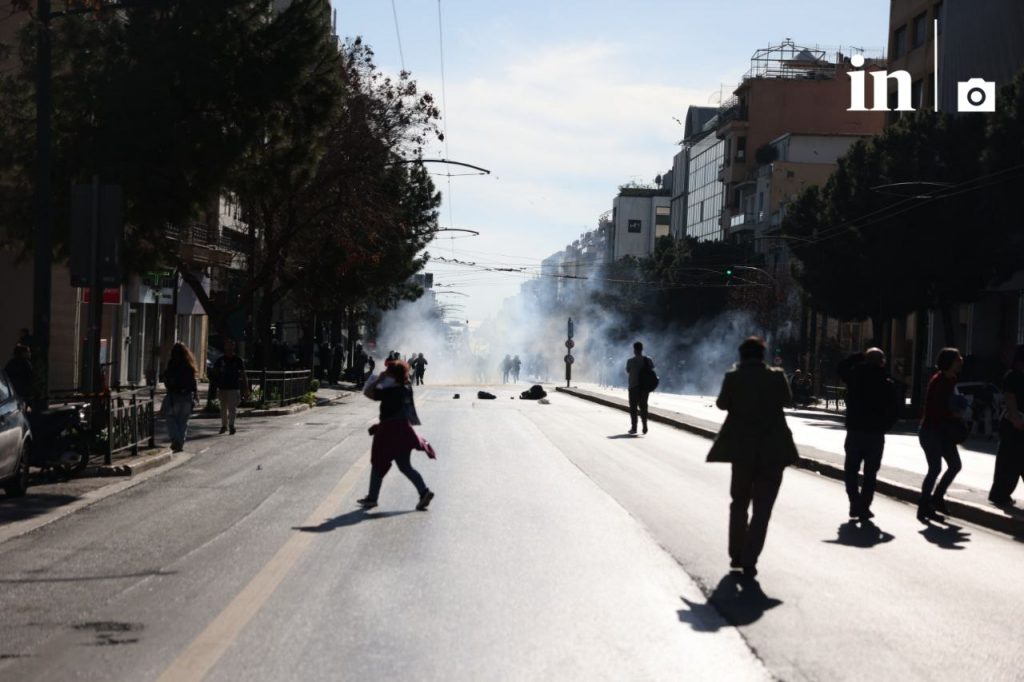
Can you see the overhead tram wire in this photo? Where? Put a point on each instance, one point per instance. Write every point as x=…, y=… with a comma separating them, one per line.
x=444, y=114
x=398, y=34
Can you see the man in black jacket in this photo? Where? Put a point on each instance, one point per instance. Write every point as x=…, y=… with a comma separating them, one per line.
x=872, y=408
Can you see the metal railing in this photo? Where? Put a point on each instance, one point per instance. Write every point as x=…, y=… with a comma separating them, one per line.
x=837, y=396
x=121, y=419
x=283, y=387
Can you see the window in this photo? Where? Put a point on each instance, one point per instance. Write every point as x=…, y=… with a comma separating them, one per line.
x=741, y=148
x=920, y=29
x=899, y=42
x=728, y=148
x=917, y=93
x=635, y=226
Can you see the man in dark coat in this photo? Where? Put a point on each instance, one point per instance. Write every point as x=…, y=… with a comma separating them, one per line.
x=19, y=371
x=872, y=407
x=757, y=442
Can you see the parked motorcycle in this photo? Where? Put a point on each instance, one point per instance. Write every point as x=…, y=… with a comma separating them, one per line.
x=63, y=440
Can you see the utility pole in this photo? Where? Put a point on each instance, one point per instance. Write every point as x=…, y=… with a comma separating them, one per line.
x=42, y=241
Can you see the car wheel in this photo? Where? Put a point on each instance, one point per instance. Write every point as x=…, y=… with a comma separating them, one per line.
x=17, y=486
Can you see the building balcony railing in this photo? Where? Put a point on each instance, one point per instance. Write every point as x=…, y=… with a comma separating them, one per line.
x=746, y=220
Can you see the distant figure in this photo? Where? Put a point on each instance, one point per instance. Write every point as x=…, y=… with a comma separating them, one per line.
x=638, y=393
x=480, y=368
x=19, y=371
x=517, y=364
x=942, y=427
x=419, y=365
x=1010, y=455
x=232, y=385
x=756, y=440
x=325, y=361
x=871, y=410
x=179, y=379
x=506, y=368
x=394, y=439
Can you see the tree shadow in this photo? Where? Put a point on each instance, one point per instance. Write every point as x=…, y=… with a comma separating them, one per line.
x=947, y=536
x=623, y=435
x=30, y=506
x=860, y=534
x=349, y=519
x=736, y=599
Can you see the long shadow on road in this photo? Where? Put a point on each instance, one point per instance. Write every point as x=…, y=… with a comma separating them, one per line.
x=32, y=505
x=860, y=534
x=739, y=600
x=349, y=519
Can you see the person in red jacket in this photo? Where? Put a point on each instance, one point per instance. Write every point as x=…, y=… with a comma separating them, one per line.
x=937, y=434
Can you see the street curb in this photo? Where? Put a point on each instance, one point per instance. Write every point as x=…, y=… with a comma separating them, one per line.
x=143, y=463
x=968, y=511
x=243, y=413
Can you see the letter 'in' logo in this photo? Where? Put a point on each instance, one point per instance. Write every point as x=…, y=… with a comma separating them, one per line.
x=904, y=86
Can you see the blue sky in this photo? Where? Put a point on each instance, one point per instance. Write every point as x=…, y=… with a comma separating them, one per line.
x=564, y=101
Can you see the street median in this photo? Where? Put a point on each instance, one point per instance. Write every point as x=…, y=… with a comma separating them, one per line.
x=898, y=484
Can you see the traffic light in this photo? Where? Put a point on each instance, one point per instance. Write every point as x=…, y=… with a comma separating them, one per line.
x=728, y=271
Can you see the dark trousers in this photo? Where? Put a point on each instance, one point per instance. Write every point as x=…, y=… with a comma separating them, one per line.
x=637, y=402
x=757, y=483
x=1009, y=463
x=379, y=470
x=862, y=447
x=937, y=447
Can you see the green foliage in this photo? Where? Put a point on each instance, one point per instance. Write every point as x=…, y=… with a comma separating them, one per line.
x=903, y=224
x=314, y=385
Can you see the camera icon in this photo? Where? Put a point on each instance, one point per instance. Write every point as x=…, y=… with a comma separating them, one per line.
x=976, y=95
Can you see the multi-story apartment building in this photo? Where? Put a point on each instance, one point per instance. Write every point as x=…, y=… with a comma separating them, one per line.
x=695, y=175
x=788, y=89
x=639, y=216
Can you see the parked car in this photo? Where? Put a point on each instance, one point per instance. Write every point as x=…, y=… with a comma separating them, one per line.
x=15, y=440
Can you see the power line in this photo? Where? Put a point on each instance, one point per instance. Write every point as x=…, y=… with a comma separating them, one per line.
x=444, y=110
x=398, y=34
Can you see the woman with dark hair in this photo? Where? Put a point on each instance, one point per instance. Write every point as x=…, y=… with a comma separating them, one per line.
x=393, y=436
x=939, y=434
x=1010, y=455
x=182, y=393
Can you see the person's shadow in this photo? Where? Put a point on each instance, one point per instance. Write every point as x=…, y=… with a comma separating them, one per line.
x=946, y=536
x=348, y=519
x=736, y=599
x=623, y=435
x=860, y=534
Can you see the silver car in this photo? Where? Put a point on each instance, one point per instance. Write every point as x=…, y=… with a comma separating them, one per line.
x=15, y=440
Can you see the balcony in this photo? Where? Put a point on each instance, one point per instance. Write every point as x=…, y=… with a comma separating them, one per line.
x=200, y=247
x=746, y=221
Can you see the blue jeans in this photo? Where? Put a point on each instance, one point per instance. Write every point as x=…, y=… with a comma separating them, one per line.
x=179, y=409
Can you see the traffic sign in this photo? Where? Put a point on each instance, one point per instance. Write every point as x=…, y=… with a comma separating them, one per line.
x=570, y=344
x=569, y=359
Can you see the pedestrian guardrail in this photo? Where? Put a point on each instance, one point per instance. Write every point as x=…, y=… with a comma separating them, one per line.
x=282, y=387
x=120, y=419
x=837, y=396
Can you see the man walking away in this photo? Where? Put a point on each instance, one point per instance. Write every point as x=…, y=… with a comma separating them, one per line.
x=1010, y=455
x=872, y=407
x=419, y=365
x=232, y=382
x=756, y=440
x=638, y=393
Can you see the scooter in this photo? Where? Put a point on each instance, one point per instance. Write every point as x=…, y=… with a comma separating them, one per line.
x=62, y=440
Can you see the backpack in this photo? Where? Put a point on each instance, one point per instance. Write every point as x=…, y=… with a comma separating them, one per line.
x=648, y=377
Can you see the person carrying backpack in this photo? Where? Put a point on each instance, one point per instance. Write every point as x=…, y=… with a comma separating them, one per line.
x=642, y=380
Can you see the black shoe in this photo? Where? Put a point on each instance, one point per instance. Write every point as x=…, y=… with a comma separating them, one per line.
x=939, y=505
x=232, y=430
x=367, y=503
x=1004, y=502
x=425, y=499
x=645, y=428
x=632, y=431
x=865, y=514
x=223, y=429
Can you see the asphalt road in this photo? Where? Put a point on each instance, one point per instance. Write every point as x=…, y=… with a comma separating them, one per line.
x=556, y=548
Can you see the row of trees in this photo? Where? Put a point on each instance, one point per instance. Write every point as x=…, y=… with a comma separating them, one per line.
x=182, y=103
x=917, y=218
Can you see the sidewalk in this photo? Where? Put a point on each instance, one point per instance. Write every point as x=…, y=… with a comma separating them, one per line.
x=819, y=437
